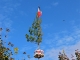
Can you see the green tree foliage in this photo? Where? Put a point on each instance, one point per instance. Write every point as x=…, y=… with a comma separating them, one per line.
x=64, y=56
x=35, y=32
x=77, y=53
x=5, y=52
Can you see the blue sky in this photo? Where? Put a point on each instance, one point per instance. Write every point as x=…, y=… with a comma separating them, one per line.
x=18, y=15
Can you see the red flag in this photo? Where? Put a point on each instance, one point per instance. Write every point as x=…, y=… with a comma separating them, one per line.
x=39, y=13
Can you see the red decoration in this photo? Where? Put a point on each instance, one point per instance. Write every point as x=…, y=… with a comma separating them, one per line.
x=39, y=13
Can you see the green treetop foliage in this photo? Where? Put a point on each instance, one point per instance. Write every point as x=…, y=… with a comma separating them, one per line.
x=35, y=32
x=77, y=53
x=5, y=52
x=64, y=56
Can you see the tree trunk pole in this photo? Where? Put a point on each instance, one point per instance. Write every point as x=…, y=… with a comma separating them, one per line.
x=38, y=59
x=38, y=46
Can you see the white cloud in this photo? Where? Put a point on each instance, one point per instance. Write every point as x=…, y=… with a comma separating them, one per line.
x=5, y=22
x=48, y=7
x=51, y=5
x=53, y=53
x=8, y=8
x=44, y=26
x=78, y=10
x=8, y=23
x=69, y=42
x=64, y=38
x=27, y=48
x=55, y=3
x=23, y=13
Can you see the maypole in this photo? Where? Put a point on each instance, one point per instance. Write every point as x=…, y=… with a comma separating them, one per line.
x=35, y=34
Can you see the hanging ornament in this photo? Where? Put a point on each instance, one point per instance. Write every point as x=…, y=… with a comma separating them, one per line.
x=39, y=53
